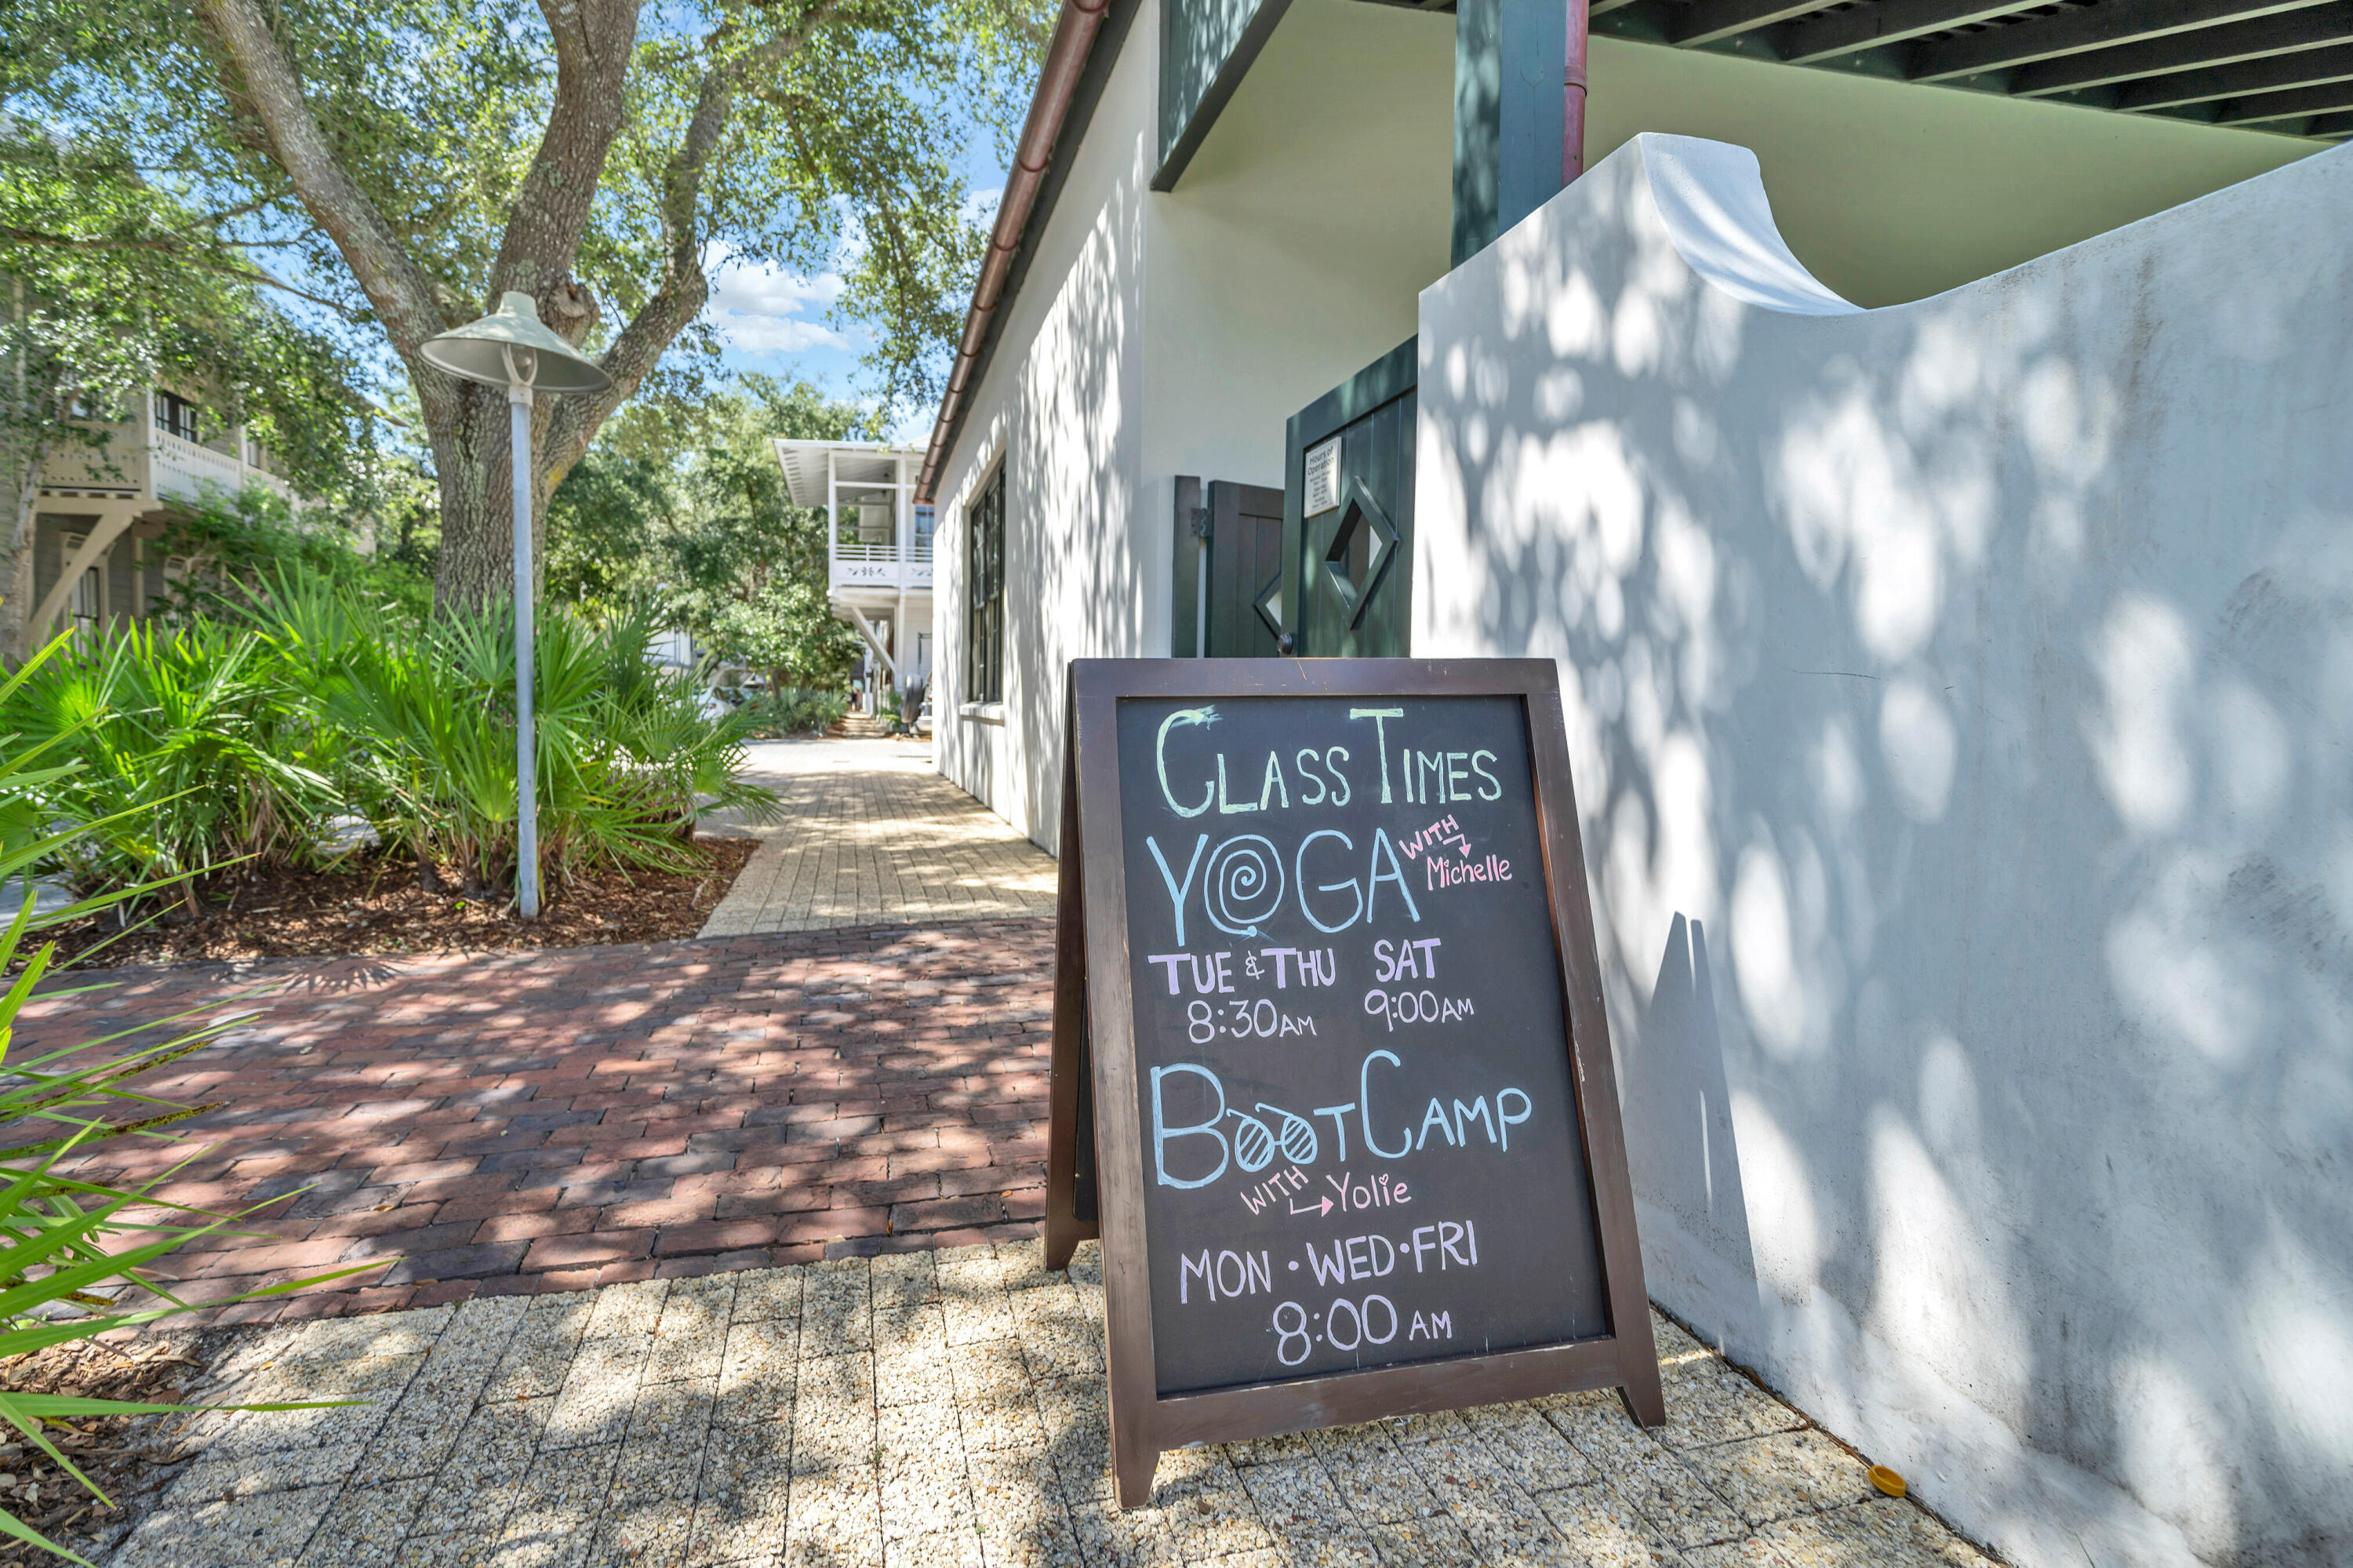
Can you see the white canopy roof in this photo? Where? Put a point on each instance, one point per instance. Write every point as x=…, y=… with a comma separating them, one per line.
x=859, y=468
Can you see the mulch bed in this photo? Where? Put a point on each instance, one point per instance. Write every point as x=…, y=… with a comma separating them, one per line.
x=370, y=906
x=126, y=1456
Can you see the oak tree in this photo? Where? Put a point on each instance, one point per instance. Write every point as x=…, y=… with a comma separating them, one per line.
x=110, y=285
x=414, y=159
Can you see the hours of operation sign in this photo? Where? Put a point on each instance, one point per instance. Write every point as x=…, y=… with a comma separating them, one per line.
x=1358, y=1140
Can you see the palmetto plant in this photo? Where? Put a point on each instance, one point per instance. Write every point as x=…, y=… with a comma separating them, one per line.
x=242, y=734
x=190, y=748
x=625, y=759
x=63, y=1241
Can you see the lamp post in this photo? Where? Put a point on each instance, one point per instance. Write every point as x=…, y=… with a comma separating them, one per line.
x=511, y=349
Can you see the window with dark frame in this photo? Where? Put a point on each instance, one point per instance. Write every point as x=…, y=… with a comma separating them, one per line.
x=174, y=415
x=984, y=560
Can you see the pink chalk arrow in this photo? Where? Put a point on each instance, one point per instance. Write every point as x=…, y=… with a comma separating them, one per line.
x=1318, y=1212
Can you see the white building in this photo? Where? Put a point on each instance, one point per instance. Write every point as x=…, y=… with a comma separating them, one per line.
x=877, y=543
x=100, y=508
x=1938, y=517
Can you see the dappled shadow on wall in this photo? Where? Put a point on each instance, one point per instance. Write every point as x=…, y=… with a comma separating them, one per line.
x=1076, y=566
x=1977, y=671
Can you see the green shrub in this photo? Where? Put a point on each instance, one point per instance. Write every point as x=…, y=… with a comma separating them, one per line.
x=795, y=710
x=63, y=1241
x=191, y=747
x=620, y=753
x=243, y=734
x=422, y=731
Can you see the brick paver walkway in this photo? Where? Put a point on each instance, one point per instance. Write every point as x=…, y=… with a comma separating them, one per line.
x=944, y=1408
x=550, y=1120
x=874, y=837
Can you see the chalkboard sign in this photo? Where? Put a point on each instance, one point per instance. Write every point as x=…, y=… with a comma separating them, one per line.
x=1331, y=1074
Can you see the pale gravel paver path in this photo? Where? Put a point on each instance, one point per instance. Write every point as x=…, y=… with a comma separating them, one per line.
x=873, y=836
x=941, y=1408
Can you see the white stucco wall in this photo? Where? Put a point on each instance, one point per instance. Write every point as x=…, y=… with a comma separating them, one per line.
x=1289, y=255
x=1061, y=406
x=1959, y=695
x=1168, y=334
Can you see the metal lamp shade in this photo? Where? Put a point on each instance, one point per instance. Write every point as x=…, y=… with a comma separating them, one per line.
x=478, y=351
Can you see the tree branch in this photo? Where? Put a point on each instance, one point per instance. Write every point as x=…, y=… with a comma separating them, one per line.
x=684, y=287
x=593, y=42
x=395, y=284
x=169, y=246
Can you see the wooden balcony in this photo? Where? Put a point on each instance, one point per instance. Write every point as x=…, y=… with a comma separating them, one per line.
x=141, y=462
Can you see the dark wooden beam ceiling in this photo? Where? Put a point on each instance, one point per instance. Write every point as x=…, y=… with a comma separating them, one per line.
x=2280, y=66
x=2303, y=68
x=2266, y=64
x=1834, y=34
x=2076, y=30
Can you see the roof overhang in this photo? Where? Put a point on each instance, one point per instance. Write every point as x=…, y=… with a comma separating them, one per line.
x=1086, y=40
x=858, y=469
x=2279, y=66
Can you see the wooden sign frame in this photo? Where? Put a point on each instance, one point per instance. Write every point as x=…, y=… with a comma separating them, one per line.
x=1095, y=1171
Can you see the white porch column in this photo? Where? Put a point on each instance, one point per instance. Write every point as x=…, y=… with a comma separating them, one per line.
x=905, y=535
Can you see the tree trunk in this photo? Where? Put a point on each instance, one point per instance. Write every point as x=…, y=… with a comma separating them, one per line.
x=473, y=460
x=594, y=41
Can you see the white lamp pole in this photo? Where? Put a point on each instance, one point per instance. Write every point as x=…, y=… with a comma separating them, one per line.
x=511, y=349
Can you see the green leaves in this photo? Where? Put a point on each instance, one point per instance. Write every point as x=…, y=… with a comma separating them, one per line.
x=65, y=1240
x=424, y=727
x=681, y=508
x=244, y=735
x=192, y=747
x=122, y=286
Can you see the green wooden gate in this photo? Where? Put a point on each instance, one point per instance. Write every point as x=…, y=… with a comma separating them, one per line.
x=1228, y=584
x=1348, y=566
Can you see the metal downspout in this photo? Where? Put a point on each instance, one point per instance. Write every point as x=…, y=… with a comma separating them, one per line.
x=1572, y=109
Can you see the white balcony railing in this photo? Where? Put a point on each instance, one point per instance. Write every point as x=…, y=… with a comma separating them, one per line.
x=140, y=460
x=181, y=468
x=861, y=564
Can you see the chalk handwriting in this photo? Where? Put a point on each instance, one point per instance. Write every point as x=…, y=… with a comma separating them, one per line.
x=1445, y=830
x=1394, y=1008
x=1398, y=960
x=1231, y=1273
x=1274, y=1189
x=1257, y=1138
x=1438, y=872
x=1450, y=771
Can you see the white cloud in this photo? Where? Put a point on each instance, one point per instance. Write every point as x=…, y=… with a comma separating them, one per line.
x=761, y=310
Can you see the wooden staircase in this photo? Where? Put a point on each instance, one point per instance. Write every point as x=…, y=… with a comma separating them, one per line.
x=860, y=726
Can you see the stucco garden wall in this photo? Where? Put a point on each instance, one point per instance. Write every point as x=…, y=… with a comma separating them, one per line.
x=1959, y=695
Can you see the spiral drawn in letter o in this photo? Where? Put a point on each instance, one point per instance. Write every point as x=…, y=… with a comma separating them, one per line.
x=1245, y=885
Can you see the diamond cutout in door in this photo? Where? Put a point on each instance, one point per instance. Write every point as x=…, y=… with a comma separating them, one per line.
x=1359, y=553
x=1269, y=604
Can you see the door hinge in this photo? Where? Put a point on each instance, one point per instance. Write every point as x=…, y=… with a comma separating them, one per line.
x=1200, y=522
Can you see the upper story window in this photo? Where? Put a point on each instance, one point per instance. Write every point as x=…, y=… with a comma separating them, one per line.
x=984, y=578
x=174, y=415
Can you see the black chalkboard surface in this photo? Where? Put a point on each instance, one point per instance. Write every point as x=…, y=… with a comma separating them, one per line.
x=1328, y=1015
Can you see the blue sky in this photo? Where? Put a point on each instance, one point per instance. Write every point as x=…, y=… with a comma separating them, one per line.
x=780, y=325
